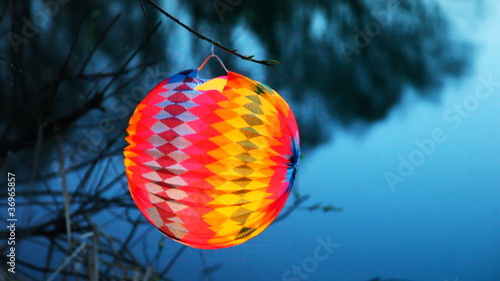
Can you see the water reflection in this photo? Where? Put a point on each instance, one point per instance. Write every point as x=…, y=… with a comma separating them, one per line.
x=352, y=60
x=359, y=57
x=66, y=69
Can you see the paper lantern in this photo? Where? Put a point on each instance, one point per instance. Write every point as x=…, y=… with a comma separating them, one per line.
x=211, y=162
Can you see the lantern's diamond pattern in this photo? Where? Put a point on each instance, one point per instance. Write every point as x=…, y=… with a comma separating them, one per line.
x=211, y=163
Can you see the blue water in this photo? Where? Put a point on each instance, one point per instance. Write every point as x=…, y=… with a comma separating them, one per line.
x=439, y=221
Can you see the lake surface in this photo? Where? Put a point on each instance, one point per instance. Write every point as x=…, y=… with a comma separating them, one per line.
x=420, y=192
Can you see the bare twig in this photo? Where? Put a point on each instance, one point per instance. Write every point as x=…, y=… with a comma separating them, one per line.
x=149, y=272
x=173, y=260
x=67, y=196
x=67, y=260
x=48, y=128
x=50, y=255
x=49, y=99
x=12, y=67
x=132, y=56
x=216, y=43
x=36, y=158
x=298, y=201
x=143, y=7
x=98, y=43
x=101, y=75
x=207, y=270
x=93, y=257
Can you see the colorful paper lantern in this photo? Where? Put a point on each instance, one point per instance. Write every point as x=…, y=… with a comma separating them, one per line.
x=211, y=162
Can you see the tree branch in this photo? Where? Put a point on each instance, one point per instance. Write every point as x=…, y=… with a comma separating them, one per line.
x=216, y=43
x=296, y=204
x=48, y=129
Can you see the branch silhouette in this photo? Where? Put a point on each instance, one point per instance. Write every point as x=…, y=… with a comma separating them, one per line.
x=211, y=41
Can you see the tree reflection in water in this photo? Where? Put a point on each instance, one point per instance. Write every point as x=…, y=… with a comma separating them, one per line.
x=71, y=74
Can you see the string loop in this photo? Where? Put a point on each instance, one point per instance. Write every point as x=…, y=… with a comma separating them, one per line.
x=212, y=47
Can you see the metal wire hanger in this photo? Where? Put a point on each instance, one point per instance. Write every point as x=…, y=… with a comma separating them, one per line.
x=212, y=55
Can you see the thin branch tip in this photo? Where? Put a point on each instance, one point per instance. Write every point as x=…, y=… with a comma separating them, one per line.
x=216, y=43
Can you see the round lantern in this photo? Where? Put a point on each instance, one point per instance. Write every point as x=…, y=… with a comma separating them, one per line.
x=211, y=162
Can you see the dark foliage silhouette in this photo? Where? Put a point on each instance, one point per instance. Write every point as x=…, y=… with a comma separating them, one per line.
x=72, y=72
